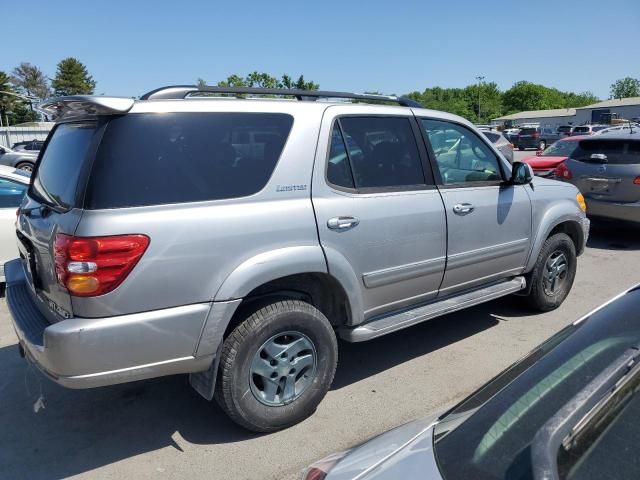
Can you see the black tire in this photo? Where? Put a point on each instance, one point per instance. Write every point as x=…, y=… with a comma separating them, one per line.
x=521, y=149
x=26, y=166
x=540, y=298
x=542, y=145
x=234, y=389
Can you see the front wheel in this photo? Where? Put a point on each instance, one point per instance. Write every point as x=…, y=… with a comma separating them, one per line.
x=553, y=273
x=276, y=366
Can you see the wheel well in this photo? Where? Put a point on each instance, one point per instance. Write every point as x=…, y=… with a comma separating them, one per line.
x=573, y=230
x=319, y=289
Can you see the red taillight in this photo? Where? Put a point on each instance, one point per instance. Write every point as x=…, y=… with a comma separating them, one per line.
x=636, y=181
x=535, y=135
x=91, y=266
x=563, y=172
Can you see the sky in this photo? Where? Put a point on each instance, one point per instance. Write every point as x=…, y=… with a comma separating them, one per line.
x=131, y=47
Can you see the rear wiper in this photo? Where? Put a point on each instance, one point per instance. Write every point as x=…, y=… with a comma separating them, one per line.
x=587, y=408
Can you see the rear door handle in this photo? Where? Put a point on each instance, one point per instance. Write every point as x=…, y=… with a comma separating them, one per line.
x=342, y=223
x=463, y=208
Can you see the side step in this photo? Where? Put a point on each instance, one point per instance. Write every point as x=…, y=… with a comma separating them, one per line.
x=407, y=318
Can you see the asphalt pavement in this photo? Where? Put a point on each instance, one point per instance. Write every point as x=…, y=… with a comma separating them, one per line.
x=162, y=429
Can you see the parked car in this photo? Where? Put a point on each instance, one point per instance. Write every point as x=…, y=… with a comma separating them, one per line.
x=567, y=410
x=545, y=162
x=501, y=143
x=606, y=169
x=34, y=146
x=588, y=129
x=21, y=160
x=243, y=235
x=619, y=128
x=536, y=137
x=13, y=185
x=510, y=134
x=564, y=131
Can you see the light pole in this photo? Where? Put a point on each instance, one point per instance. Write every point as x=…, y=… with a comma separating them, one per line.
x=480, y=79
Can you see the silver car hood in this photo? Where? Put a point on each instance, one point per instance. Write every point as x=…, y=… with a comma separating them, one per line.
x=406, y=452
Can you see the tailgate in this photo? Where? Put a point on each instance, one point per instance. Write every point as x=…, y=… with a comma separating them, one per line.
x=50, y=208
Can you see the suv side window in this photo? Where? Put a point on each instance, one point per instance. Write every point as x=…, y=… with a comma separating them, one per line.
x=462, y=157
x=374, y=152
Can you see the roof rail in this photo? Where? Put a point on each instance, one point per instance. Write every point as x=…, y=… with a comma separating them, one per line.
x=183, y=91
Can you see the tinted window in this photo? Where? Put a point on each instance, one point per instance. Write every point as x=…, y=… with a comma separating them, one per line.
x=382, y=152
x=560, y=149
x=56, y=179
x=527, y=131
x=152, y=159
x=11, y=193
x=493, y=441
x=616, y=151
x=338, y=168
x=494, y=137
x=581, y=130
x=461, y=155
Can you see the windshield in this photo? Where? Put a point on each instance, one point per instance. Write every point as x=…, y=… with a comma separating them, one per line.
x=560, y=149
x=493, y=441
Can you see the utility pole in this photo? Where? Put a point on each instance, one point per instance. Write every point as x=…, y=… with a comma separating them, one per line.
x=480, y=79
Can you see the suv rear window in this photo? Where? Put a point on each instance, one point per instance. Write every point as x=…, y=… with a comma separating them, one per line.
x=581, y=130
x=527, y=131
x=153, y=159
x=56, y=178
x=617, y=151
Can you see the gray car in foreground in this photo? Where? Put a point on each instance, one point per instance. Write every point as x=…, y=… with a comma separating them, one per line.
x=236, y=239
x=567, y=410
x=606, y=169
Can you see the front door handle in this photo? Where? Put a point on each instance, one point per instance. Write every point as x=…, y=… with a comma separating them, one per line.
x=342, y=223
x=463, y=208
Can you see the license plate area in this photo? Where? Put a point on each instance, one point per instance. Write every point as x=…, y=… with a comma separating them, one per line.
x=599, y=185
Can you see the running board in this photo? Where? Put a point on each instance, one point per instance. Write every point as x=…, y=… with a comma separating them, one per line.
x=407, y=318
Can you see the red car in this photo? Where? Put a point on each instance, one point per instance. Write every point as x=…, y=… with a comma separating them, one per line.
x=546, y=161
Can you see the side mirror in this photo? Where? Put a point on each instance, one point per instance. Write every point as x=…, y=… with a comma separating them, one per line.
x=521, y=173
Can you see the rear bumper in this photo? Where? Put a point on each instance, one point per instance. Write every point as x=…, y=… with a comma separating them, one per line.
x=92, y=352
x=629, y=212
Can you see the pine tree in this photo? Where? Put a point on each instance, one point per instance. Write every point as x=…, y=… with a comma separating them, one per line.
x=72, y=78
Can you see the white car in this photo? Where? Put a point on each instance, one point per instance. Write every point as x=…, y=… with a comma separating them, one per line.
x=13, y=185
x=619, y=128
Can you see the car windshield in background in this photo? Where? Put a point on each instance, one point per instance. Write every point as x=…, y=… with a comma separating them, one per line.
x=566, y=129
x=56, y=178
x=560, y=149
x=153, y=159
x=488, y=436
x=616, y=151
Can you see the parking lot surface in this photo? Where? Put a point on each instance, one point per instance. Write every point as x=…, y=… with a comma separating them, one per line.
x=162, y=429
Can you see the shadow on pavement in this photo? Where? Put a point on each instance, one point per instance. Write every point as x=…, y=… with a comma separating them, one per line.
x=81, y=430
x=607, y=235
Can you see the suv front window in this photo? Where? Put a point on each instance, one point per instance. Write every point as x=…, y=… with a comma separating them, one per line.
x=462, y=157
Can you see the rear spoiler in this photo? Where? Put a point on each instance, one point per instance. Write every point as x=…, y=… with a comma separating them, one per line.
x=75, y=106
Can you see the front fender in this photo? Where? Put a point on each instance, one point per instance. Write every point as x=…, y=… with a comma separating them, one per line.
x=560, y=211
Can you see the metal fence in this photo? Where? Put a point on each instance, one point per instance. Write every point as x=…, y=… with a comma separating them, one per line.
x=9, y=136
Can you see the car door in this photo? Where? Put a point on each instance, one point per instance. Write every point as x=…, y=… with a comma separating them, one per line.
x=380, y=218
x=11, y=193
x=489, y=220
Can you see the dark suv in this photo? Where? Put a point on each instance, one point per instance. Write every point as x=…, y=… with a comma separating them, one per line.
x=536, y=137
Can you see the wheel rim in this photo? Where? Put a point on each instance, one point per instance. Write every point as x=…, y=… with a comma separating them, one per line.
x=555, y=272
x=283, y=368
x=26, y=168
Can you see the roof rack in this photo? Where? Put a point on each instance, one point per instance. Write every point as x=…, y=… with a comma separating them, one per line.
x=183, y=91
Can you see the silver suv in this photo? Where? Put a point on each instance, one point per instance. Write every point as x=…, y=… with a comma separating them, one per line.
x=236, y=238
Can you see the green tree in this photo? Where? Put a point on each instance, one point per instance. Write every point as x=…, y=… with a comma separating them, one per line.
x=31, y=81
x=72, y=78
x=264, y=80
x=625, y=87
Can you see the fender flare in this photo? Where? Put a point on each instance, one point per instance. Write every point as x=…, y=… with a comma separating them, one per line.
x=559, y=213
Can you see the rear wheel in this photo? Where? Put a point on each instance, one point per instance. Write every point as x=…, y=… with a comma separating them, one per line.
x=553, y=273
x=276, y=366
x=26, y=166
